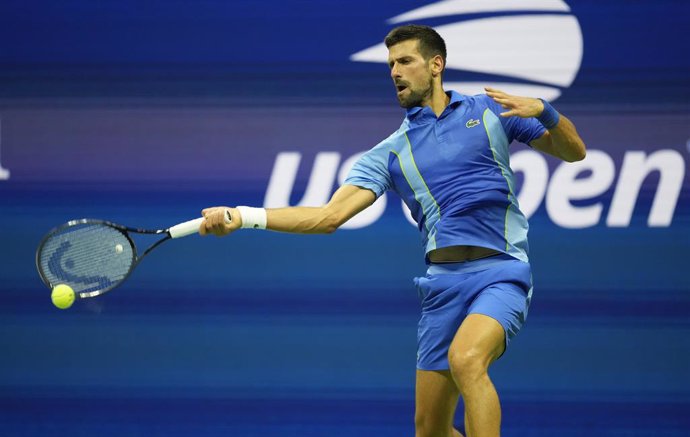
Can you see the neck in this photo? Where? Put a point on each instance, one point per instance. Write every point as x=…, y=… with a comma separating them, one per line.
x=439, y=100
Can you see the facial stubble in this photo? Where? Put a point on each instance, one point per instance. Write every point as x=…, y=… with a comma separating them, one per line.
x=416, y=97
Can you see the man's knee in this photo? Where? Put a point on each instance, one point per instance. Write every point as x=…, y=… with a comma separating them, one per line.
x=467, y=366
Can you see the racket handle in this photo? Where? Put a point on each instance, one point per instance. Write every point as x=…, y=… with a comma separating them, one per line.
x=192, y=226
x=186, y=228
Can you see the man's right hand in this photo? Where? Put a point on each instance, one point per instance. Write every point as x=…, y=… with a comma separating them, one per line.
x=215, y=221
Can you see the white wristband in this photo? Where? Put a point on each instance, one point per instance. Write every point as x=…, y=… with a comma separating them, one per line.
x=254, y=218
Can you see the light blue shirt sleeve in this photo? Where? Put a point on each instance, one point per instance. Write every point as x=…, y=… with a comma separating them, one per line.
x=371, y=170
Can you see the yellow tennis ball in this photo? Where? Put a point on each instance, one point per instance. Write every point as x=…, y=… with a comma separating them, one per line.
x=62, y=296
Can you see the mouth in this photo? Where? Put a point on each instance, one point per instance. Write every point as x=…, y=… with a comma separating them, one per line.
x=400, y=88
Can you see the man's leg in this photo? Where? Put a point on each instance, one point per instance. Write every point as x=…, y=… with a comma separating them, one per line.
x=436, y=398
x=479, y=342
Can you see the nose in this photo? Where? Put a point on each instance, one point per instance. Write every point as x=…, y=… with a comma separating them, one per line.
x=395, y=73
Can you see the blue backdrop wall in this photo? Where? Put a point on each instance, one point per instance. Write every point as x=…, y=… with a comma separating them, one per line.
x=145, y=113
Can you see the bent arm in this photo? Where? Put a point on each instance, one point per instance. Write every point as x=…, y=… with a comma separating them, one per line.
x=345, y=203
x=562, y=141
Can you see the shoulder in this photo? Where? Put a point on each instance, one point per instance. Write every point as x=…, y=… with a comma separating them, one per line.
x=470, y=99
x=393, y=141
x=477, y=103
x=486, y=102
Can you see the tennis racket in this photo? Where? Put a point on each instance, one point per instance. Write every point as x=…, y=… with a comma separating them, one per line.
x=95, y=256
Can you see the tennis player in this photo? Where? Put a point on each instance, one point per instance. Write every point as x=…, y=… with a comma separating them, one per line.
x=449, y=161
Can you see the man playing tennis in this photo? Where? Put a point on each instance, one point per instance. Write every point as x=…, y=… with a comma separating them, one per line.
x=449, y=163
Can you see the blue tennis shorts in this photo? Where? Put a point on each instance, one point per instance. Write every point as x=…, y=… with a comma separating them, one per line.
x=499, y=287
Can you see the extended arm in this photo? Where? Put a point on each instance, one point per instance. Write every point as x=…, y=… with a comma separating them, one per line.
x=561, y=140
x=345, y=203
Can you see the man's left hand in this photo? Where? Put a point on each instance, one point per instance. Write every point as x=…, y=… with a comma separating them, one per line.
x=524, y=107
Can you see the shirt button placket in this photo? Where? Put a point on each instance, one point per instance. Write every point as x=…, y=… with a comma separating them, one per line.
x=438, y=129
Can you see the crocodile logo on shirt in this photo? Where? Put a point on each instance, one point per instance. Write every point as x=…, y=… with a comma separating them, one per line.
x=472, y=123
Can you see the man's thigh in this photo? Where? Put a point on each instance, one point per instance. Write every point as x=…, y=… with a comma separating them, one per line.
x=480, y=337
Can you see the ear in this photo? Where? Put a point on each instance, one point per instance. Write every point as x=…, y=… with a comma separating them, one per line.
x=436, y=64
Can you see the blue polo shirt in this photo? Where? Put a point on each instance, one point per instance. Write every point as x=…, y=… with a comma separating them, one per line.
x=453, y=172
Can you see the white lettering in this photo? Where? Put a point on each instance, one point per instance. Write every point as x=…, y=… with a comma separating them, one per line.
x=283, y=176
x=566, y=186
x=636, y=166
x=570, y=182
x=320, y=186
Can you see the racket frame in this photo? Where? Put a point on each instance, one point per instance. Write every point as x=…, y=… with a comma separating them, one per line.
x=124, y=230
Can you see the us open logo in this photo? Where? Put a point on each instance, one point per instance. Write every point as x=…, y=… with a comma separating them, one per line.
x=533, y=47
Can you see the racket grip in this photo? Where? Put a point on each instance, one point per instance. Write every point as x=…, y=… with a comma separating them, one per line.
x=192, y=226
x=186, y=228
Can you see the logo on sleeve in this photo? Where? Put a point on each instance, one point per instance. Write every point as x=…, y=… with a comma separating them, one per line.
x=471, y=123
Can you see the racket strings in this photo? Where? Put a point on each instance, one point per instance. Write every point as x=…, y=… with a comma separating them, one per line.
x=88, y=257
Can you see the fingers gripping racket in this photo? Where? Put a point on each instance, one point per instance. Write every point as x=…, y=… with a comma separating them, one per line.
x=95, y=256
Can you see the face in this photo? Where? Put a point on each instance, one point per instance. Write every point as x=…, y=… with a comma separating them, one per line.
x=411, y=74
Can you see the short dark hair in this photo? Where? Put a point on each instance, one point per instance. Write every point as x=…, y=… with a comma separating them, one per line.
x=430, y=42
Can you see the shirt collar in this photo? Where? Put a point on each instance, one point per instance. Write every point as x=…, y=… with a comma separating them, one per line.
x=419, y=112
